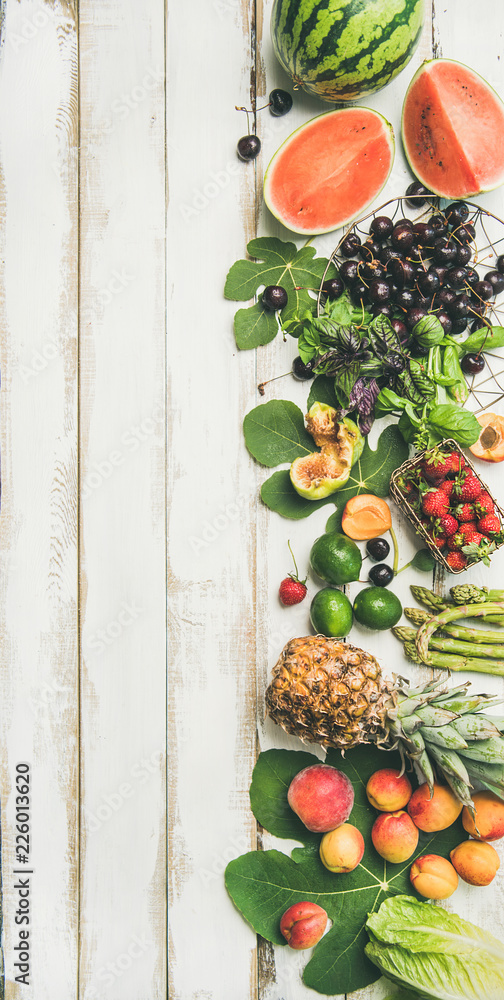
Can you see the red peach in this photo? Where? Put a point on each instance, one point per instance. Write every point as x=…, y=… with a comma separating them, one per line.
x=433, y=877
x=394, y=836
x=488, y=823
x=341, y=850
x=303, y=924
x=388, y=789
x=436, y=812
x=475, y=861
x=321, y=796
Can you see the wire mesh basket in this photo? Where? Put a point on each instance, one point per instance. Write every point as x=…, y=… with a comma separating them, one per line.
x=401, y=499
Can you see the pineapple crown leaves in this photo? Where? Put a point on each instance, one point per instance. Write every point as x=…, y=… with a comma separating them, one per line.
x=263, y=884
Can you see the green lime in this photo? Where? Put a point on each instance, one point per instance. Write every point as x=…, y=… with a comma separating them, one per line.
x=377, y=608
x=331, y=613
x=336, y=558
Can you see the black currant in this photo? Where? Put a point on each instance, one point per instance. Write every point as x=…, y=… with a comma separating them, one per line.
x=472, y=364
x=302, y=371
x=381, y=575
x=280, y=102
x=248, y=147
x=274, y=297
x=377, y=548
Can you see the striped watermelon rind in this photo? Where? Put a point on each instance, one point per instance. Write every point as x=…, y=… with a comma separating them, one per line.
x=343, y=50
x=453, y=130
x=330, y=182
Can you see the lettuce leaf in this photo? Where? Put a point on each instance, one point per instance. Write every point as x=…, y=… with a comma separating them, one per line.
x=435, y=953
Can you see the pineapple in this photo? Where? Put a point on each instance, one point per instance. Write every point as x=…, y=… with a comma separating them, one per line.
x=329, y=692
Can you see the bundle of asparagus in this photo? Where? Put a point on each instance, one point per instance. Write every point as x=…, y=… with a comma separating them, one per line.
x=440, y=643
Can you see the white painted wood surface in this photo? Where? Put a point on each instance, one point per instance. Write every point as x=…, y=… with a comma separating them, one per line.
x=135, y=554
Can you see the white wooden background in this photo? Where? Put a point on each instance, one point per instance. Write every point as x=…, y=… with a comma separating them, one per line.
x=139, y=573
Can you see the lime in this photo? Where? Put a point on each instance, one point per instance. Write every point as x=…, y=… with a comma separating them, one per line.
x=336, y=558
x=331, y=613
x=377, y=608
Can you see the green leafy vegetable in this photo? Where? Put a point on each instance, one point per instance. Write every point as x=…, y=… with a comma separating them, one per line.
x=370, y=474
x=275, y=432
x=274, y=263
x=450, y=420
x=427, y=949
x=423, y=561
x=488, y=339
x=264, y=884
x=322, y=391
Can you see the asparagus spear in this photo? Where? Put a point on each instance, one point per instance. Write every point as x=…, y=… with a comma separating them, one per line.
x=447, y=645
x=431, y=601
x=418, y=617
x=468, y=593
x=463, y=611
x=449, y=661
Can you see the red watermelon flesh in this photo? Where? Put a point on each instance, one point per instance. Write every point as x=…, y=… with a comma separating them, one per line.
x=453, y=130
x=329, y=170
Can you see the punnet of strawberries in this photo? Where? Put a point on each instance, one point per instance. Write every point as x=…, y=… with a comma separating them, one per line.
x=449, y=506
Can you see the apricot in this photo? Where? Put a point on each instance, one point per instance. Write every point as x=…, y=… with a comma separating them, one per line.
x=475, y=861
x=394, y=836
x=366, y=516
x=488, y=823
x=388, y=789
x=321, y=796
x=341, y=850
x=438, y=812
x=303, y=924
x=490, y=444
x=433, y=877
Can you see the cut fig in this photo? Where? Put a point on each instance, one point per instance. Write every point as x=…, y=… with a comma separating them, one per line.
x=318, y=475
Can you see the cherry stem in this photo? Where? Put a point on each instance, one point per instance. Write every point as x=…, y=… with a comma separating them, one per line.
x=267, y=382
x=396, y=550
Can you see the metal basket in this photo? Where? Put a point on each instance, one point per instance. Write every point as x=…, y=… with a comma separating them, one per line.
x=402, y=502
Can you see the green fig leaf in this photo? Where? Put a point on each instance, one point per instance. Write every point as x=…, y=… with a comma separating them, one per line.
x=322, y=391
x=275, y=433
x=370, y=474
x=275, y=262
x=263, y=884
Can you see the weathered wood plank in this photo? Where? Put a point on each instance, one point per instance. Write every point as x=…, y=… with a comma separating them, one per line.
x=38, y=582
x=122, y=489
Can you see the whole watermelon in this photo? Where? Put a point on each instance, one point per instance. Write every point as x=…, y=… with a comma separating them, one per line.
x=342, y=50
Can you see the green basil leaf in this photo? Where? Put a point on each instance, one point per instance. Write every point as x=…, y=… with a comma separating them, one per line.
x=428, y=331
x=486, y=339
x=275, y=433
x=389, y=401
x=448, y=420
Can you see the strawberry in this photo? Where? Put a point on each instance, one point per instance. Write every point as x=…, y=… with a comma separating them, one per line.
x=464, y=512
x=435, y=503
x=292, y=590
x=474, y=538
x=447, y=487
x=456, y=560
x=489, y=524
x=446, y=524
x=470, y=489
x=457, y=462
x=484, y=505
x=439, y=541
x=455, y=542
x=467, y=527
x=436, y=465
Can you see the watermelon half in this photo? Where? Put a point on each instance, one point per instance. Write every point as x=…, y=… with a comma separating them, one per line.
x=453, y=130
x=329, y=170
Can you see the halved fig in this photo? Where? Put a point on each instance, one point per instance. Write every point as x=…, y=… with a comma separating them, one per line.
x=318, y=475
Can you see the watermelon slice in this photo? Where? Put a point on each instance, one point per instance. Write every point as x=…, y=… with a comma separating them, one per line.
x=453, y=130
x=329, y=170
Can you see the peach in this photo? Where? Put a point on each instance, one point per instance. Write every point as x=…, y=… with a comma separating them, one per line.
x=488, y=823
x=303, y=924
x=394, y=836
x=438, y=812
x=433, y=877
x=321, y=796
x=341, y=850
x=388, y=790
x=475, y=861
